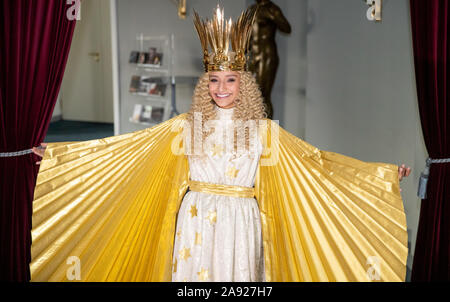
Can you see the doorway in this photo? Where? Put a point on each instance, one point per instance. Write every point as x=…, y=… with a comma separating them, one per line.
x=85, y=106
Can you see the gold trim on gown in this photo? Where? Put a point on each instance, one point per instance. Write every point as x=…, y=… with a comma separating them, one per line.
x=113, y=203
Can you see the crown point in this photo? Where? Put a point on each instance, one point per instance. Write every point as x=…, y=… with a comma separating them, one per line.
x=218, y=33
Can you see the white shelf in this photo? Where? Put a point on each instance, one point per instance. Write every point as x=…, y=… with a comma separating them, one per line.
x=150, y=96
x=163, y=71
x=151, y=68
x=143, y=123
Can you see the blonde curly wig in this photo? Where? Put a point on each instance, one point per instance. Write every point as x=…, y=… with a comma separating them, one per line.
x=248, y=106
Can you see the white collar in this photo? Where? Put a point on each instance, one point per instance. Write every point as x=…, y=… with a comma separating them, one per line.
x=224, y=114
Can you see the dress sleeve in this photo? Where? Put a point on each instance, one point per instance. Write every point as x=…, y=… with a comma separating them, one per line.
x=111, y=205
x=327, y=216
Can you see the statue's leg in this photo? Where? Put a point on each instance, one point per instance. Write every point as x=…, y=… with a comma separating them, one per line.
x=269, y=66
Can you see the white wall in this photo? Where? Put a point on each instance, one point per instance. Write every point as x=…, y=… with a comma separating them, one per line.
x=57, y=113
x=361, y=98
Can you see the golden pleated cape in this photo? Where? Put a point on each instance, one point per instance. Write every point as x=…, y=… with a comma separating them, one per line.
x=113, y=203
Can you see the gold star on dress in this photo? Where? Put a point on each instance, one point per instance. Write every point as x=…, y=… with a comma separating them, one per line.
x=185, y=253
x=198, y=238
x=212, y=217
x=193, y=211
x=232, y=172
x=203, y=274
x=175, y=266
x=179, y=234
x=217, y=150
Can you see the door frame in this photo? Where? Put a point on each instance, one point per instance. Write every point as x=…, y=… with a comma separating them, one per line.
x=115, y=65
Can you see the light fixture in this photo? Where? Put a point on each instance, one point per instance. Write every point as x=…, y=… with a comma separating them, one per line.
x=181, y=6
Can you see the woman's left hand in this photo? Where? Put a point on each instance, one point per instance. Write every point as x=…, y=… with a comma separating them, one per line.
x=40, y=151
x=403, y=171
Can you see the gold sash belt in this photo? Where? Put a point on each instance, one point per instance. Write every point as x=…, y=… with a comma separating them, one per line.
x=227, y=190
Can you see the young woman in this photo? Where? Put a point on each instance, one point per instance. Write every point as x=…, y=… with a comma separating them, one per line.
x=219, y=237
x=245, y=201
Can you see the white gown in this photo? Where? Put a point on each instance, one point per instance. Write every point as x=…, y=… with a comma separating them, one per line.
x=219, y=238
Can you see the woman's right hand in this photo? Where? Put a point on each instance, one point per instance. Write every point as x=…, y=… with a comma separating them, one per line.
x=39, y=151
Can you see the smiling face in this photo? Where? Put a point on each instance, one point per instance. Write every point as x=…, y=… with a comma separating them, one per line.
x=224, y=87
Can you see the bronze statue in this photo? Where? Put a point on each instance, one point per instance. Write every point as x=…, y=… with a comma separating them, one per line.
x=264, y=56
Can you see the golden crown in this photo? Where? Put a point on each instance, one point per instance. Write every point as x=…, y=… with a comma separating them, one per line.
x=218, y=33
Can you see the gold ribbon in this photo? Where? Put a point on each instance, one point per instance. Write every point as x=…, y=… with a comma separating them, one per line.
x=227, y=190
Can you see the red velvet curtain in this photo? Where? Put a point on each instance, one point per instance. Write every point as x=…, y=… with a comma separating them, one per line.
x=35, y=38
x=430, y=30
